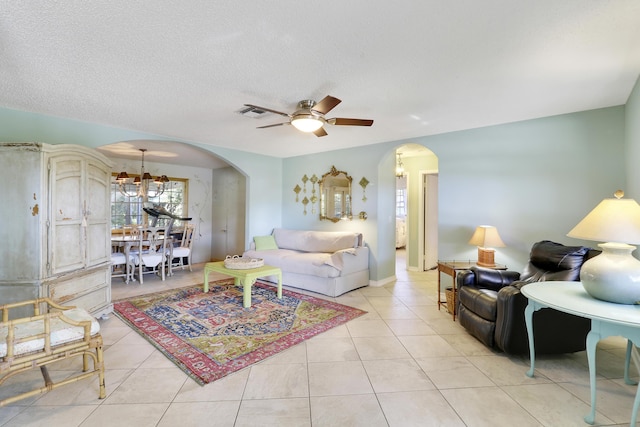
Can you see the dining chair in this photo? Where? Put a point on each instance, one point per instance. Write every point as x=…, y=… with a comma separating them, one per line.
x=119, y=266
x=150, y=254
x=179, y=253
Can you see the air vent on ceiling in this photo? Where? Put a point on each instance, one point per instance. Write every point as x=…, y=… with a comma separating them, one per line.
x=251, y=112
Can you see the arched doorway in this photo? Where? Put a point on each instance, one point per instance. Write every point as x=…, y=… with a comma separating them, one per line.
x=215, y=187
x=416, y=206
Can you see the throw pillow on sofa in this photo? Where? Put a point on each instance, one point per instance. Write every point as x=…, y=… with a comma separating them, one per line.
x=265, y=243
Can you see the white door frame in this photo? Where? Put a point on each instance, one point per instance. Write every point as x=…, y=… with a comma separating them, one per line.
x=422, y=217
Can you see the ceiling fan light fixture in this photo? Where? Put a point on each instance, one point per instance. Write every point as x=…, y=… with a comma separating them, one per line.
x=307, y=122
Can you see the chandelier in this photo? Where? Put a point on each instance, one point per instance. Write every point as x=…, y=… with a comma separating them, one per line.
x=399, y=168
x=143, y=183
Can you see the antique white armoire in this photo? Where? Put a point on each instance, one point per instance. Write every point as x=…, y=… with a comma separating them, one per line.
x=56, y=225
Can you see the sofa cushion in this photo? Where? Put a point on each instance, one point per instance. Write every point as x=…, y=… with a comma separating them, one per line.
x=265, y=243
x=291, y=261
x=315, y=241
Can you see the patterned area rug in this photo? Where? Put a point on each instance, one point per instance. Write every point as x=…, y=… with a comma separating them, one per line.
x=211, y=335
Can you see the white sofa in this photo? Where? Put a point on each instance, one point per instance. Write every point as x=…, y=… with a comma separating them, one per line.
x=327, y=262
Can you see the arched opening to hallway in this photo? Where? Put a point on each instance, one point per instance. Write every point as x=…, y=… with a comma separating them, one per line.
x=416, y=206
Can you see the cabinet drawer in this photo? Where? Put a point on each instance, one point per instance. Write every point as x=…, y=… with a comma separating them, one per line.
x=93, y=302
x=71, y=287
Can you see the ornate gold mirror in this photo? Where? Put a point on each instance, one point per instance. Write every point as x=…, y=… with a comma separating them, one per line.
x=335, y=195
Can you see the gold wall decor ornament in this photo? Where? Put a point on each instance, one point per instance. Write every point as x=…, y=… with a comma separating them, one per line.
x=305, y=178
x=297, y=190
x=314, y=198
x=305, y=202
x=363, y=183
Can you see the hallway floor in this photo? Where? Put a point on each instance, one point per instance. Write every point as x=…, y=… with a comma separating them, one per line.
x=405, y=363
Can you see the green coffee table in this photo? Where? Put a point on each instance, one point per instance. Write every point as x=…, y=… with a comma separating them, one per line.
x=245, y=278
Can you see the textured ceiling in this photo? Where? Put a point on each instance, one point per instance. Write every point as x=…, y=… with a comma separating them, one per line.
x=183, y=69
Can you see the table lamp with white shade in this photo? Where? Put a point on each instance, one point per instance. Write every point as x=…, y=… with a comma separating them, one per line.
x=486, y=238
x=614, y=275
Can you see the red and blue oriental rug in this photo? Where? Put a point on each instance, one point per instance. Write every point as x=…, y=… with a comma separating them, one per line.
x=211, y=335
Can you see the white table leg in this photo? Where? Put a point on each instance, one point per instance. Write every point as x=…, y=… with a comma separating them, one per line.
x=592, y=342
x=528, y=319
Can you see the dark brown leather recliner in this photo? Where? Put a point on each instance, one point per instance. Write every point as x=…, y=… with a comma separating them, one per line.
x=491, y=307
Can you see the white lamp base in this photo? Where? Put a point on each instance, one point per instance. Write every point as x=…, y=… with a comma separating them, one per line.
x=614, y=275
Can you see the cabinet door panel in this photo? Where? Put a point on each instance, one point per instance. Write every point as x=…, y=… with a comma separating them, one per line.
x=67, y=249
x=98, y=214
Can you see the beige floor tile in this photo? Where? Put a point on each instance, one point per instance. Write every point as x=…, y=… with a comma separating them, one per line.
x=614, y=399
x=320, y=349
x=396, y=375
x=418, y=408
x=149, y=386
x=338, y=378
x=375, y=348
x=428, y=346
x=125, y=415
x=409, y=327
x=126, y=356
x=369, y=328
x=85, y=392
x=48, y=416
x=396, y=312
x=469, y=345
x=26, y=382
x=566, y=409
x=453, y=372
x=472, y=404
x=353, y=411
x=505, y=370
x=274, y=412
x=9, y=412
x=277, y=381
x=210, y=414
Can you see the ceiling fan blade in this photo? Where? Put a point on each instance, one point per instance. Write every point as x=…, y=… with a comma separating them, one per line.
x=327, y=104
x=267, y=109
x=340, y=121
x=320, y=132
x=271, y=126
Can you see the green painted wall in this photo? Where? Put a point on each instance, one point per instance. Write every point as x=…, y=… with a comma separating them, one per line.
x=534, y=179
x=632, y=134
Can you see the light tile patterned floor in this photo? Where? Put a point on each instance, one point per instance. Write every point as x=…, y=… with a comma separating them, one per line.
x=405, y=363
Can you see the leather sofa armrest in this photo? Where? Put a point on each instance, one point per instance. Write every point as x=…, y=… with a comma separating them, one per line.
x=511, y=331
x=555, y=332
x=487, y=278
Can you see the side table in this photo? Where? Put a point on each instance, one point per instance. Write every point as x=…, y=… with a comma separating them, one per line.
x=451, y=268
x=244, y=278
x=607, y=319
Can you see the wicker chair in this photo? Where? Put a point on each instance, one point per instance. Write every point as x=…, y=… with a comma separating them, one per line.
x=36, y=341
